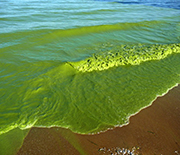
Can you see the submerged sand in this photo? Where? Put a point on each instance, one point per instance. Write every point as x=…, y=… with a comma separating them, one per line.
x=154, y=130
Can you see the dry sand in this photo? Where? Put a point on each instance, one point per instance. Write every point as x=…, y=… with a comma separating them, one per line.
x=153, y=131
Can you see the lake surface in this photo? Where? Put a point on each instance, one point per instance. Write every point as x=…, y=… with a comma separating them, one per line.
x=82, y=64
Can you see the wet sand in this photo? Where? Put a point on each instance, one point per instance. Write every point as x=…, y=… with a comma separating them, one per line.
x=155, y=130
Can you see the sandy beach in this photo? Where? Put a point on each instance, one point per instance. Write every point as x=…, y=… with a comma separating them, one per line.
x=155, y=130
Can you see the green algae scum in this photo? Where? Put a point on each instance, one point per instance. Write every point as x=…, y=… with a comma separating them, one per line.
x=125, y=55
x=83, y=65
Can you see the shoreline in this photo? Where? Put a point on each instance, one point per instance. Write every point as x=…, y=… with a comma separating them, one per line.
x=153, y=130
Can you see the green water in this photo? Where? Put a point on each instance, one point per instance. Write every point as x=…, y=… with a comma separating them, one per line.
x=83, y=65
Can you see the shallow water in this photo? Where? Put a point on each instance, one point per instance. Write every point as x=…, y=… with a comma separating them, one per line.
x=47, y=48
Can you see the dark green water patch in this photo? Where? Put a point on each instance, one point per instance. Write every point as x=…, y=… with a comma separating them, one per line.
x=11, y=141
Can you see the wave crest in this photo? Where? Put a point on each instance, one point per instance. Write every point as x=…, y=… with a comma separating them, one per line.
x=125, y=55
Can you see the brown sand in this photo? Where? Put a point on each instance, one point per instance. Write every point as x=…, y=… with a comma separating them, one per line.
x=153, y=131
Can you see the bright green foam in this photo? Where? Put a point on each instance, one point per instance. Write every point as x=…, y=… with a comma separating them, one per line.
x=125, y=55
